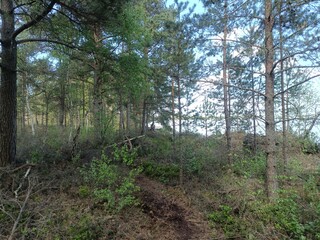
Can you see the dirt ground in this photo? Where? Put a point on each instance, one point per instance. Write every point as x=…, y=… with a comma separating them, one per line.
x=170, y=212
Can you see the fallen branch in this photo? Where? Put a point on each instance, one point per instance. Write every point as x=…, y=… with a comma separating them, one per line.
x=127, y=140
x=16, y=222
x=27, y=165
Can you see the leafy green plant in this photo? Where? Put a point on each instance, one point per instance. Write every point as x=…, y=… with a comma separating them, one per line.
x=251, y=166
x=224, y=218
x=285, y=214
x=84, y=191
x=84, y=229
x=164, y=172
x=195, y=165
x=111, y=184
x=125, y=155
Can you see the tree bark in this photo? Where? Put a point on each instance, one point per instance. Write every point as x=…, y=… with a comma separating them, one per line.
x=272, y=183
x=283, y=105
x=97, y=86
x=8, y=86
x=225, y=83
x=8, y=82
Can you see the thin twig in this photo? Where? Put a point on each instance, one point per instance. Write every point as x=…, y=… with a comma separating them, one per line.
x=15, y=225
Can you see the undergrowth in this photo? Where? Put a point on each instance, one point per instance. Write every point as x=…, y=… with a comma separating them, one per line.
x=110, y=183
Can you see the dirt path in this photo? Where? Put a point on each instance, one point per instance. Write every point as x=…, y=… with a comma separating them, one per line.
x=171, y=213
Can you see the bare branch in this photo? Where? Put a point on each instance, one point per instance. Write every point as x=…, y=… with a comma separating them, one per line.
x=315, y=119
x=16, y=222
x=297, y=84
x=294, y=54
x=241, y=88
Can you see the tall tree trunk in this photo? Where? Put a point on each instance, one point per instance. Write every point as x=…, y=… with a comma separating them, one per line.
x=8, y=86
x=283, y=105
x=180, y=127
x=272, y=183
x=225, y=82
x=254, y=112
x=47, y=110
x=144, y=117
x=121, y=117
x=128, y=115
x=30, y=114
x=173, y=119
x=62, y=103
x=23, y=101
x=97, y=86
x=144, y=122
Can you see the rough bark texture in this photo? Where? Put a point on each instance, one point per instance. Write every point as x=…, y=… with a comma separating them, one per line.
x=272, y=184
x=8, y=87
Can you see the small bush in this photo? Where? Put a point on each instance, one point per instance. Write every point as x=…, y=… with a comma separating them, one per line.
x=224, y=218
x=109, y=183
x=251, y=166
x=164, y=172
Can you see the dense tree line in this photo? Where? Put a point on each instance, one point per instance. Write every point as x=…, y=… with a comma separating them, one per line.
x=120, y=67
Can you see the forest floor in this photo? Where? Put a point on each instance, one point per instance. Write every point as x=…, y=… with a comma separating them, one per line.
x=52, y=201
x=171, y=213
x=55, y=210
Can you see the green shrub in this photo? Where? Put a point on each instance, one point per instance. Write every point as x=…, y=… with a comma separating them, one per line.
x=158, y=147
x=224, y=218
x=285, y=215
x=164, y=172
x=112, y=185
x=251, y=166
x=123, y=155
x=84, y=229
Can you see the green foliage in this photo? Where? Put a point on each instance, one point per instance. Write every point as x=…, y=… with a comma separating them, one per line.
x=250, y=166
x=285, y=214
x=312, y=227
x=309, y=146
x=84, y=191
x=124, y=155
x=36, y=156
x=224, y=217
x=195, y=165
x=164, y=172
x=158, y=147
x=84, y=229
x=292, y=215
x=112, y=185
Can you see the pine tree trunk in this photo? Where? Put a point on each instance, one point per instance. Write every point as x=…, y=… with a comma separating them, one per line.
x=272, y=183
x=8, y=87
x=283, y=105
x=97, y=87
x=144, y=117
x=173, y=120
x=254, y=112
x=225, y=83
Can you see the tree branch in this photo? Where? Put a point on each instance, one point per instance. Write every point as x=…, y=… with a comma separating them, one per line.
x=307, y=133
x=29, y=40
x=297, y=84
x=294, y=54
x=35, y=20
x=242, y=88
x=23, y=4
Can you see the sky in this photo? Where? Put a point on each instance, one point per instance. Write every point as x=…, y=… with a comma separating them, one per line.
x=200, y=9
x=198, y=3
